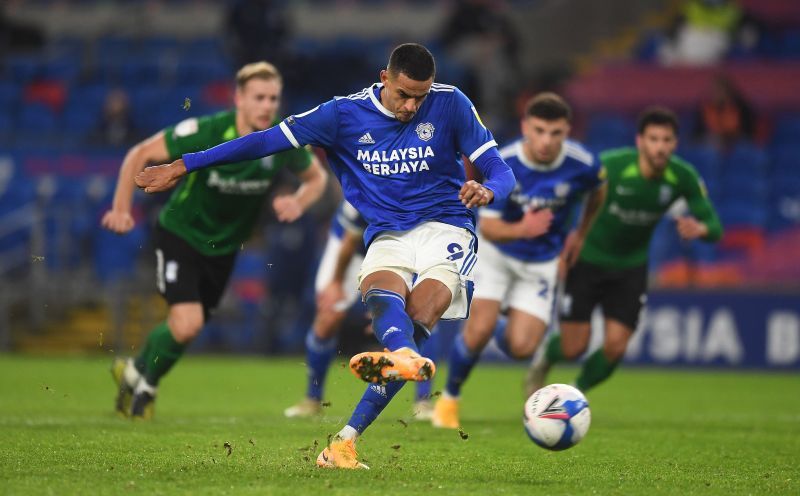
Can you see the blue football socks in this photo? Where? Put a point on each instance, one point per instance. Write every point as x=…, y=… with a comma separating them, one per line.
x=319, y=354
x=390, y=322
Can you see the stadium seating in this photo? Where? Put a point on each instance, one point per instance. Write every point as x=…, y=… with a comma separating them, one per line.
x=53, y=104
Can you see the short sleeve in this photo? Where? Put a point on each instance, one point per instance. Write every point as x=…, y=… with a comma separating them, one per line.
x=595, y=175
x=351, y=219
x=188, y=136
x=472, y=137
x=317, y=126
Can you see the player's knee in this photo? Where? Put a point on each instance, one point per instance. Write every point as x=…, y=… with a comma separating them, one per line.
x=522, y=350
x=614, y=349
x=429, y=314
x=572, y=349
x=477, y=334
x=432, y=296
x=326, y=324
x=185, y=328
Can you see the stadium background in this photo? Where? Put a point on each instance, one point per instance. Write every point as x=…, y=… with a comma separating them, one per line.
x=82, y=80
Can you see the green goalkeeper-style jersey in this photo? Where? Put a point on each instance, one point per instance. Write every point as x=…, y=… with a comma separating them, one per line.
x=620, y=235
x=215, y=209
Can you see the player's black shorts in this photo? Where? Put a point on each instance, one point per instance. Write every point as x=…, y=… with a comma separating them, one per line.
x=185, y=275
x=621, y=293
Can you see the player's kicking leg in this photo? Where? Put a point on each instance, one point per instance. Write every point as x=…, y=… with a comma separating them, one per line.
x=402, y=318
x=384, y=293
x=385, y=296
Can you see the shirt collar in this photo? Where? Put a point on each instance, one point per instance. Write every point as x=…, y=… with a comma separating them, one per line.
x=530, y=164
x=377, y=102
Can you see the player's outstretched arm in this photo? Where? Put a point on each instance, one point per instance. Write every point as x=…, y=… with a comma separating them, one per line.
x=161, y=177
x=289, y=208
x=250, y=147
x=152, y=150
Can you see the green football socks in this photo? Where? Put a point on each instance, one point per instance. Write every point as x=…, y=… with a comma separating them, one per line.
x=595, y=370
x=159, y=354
x=553, y=352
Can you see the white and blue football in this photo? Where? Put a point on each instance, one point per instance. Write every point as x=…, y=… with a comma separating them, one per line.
x=557, y=417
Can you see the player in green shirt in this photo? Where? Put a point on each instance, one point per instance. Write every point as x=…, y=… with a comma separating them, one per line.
x=609, y=267
x=205, y=222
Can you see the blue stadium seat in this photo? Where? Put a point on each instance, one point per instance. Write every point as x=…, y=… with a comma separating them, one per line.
x=158, y=47
x=67, y=220
x=23, y=68
x=9, y=94
x=63, y=68
x=784, y=212
x=80, y=121
x=209, y=48
x=114, y=48
x=198, y=71
x=790, y=44
x=746, y=159
x=705, y=159
x=114, y=255
x=610, y=130
x=37, y=118
x=91, y=95
x=742, y=214
x=665, y=244
x=7, y=124
x=787, y=130
x=145, y=102
x=16, y=192
x=703, y=252
x=744, y=188
x=139, y=70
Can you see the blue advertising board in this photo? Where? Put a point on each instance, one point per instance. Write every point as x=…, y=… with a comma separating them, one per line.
x=718, y=329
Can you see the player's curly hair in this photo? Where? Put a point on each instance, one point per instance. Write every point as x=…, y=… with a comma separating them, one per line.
x=413, y=60
x=549, y=107
x=257, y=70
x=657, y=116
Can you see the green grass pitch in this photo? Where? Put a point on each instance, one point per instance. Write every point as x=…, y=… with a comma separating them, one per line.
x=653, y=432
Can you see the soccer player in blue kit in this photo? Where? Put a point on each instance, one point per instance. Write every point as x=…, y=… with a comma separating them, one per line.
x=521, y=240
x=396, y=149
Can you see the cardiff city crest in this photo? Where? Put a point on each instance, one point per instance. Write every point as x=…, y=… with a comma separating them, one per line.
x=425, y=131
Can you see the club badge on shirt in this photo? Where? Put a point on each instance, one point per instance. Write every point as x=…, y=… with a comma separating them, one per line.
x=425, y=131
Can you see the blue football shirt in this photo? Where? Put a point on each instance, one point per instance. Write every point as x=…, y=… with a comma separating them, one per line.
x=559, y=186
x=347, y=218
x=397, y=175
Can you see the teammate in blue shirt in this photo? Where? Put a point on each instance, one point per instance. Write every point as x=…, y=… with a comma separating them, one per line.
x=336, y=289
x=522, y=238
x=396, y=149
